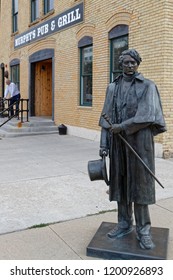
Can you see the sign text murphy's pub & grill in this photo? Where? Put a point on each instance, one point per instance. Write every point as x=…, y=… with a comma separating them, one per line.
x=55, y=24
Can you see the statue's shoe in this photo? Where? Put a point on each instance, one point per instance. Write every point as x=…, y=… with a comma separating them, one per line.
x=145, y=241
x=118, y=232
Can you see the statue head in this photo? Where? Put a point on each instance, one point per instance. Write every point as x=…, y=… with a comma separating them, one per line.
x=129, y=60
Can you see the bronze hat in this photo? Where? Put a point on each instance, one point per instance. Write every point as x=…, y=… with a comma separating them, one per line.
x=97, y=170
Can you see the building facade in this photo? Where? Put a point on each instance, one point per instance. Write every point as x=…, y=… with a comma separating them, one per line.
x=63, y=53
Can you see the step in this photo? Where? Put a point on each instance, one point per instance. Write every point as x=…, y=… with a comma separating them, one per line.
x=29, y=128
x=10, y=134
x=35, y=126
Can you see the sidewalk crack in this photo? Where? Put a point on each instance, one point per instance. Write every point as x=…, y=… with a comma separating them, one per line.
x=65, y=242
x=164, y=208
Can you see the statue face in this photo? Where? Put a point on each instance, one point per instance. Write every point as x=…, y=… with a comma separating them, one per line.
x=129, y=65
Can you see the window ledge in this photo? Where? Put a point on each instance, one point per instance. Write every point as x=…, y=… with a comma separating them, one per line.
x=14, y=33
x=34, y=22
x=84, y=107
x=48, y=14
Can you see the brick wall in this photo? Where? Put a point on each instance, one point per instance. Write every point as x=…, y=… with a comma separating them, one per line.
x=150, y=32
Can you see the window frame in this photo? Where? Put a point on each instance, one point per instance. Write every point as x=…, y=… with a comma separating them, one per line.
x=48, y=6
x=14, y=16
x=15, y=72
x=84, y=43
x=117, y=33
x=34, y=10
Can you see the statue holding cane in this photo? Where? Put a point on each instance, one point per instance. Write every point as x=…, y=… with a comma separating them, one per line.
x=132, y=111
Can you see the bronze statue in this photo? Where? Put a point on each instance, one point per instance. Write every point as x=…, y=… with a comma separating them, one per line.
x=132, y=111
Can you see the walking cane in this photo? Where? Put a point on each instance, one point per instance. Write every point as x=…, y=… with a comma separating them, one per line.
x=134, y=152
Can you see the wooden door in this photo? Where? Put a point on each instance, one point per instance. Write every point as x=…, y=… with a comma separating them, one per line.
x=43, y=88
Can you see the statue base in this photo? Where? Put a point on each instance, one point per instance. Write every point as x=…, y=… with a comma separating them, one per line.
x=127, y=247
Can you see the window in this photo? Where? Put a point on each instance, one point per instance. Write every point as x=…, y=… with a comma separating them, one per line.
x=14, y=15
x=118, y=42
x=34, y=10
x=48, y=6
x=15, y=72
x=86, y=59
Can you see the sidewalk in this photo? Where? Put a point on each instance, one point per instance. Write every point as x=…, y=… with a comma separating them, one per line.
x=44, y=181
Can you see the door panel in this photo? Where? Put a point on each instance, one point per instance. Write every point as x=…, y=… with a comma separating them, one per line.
x=43, y=88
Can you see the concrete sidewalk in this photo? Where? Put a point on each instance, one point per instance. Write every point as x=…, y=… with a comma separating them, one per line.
x=44, y=180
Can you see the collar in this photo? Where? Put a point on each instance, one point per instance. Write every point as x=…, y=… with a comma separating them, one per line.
x=138, y=76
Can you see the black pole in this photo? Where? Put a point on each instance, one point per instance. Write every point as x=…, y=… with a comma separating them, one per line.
x=21, y=110
x=2, y=68
x=27, y=101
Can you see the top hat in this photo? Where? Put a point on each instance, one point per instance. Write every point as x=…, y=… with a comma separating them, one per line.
x=97, y=170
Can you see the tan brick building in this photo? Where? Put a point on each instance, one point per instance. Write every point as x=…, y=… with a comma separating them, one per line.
x=62, y=53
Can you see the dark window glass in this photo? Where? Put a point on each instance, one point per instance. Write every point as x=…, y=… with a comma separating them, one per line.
x=15, y=15
x=48, y=6
x=86, y=76
x=15, y=75
x=118, y=43
x=34, y=9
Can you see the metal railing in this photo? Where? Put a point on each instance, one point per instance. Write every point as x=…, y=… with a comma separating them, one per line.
x=23, y=108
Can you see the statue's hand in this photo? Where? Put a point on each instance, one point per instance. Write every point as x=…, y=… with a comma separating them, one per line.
x=116, y=128
x=103, y=152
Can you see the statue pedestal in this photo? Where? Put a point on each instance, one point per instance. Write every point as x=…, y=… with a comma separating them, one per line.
x=127, y=247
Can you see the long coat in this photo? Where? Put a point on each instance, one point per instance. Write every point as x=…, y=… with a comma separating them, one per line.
x=141, y=116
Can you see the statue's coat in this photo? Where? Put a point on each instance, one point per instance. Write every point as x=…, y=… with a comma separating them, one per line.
x=140, y=113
